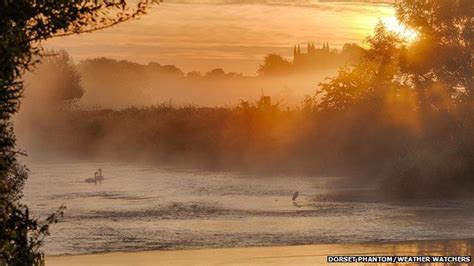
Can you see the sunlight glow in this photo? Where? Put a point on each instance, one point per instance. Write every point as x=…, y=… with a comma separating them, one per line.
x=392, y=24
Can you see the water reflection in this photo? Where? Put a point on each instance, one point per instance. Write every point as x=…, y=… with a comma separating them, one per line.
x=143, y=208
x=422, y=248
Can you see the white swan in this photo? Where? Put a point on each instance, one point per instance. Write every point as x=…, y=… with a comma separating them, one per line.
x=92, y=180
x=99, y=176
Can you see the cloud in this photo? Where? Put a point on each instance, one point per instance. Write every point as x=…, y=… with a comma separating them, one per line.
x=276, y=2
x=323, y=5
x=196, y=34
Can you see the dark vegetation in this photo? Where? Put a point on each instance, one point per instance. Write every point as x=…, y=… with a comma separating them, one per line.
x=401, y=118
x=23, y=26
x=315, y=59
x=111, y=83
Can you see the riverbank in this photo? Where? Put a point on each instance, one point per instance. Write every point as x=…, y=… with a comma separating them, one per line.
x=284, y=255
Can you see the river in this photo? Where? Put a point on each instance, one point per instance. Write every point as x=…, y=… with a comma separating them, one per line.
x=141, y=207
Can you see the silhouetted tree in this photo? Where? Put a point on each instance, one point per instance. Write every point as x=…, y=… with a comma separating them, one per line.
x=443, y=51
x=274, y=65
x=424, y=85
x=23, y=26
x=217, y=73
x=353, y=51
x=193, y=75
x=59, y=77
x=171, y=70
x=367, y=82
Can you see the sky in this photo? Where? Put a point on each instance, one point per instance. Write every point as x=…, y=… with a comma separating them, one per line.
x=231, y=34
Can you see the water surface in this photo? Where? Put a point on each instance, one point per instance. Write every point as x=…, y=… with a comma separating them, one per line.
x=145, y=207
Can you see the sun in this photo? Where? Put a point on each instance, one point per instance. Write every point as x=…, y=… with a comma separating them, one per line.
x=392, y=24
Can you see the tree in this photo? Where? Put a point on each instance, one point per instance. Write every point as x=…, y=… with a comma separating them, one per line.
x=439, y=62
x=275, y=65
x=23, y=26
x=417, y=92
x=368, y=82
x=59, y=78
x=352, y=52
x=193, y=75
x=171, y=71
x=443, y=51
x=217, y=73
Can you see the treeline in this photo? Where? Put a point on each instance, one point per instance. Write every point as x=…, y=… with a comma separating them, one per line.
x=110, y=83
x=108, y=65
x=313, y=61
x=404, y=157
x=401, y=118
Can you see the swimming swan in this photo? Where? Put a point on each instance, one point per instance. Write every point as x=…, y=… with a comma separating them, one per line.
x=99, y=176
x=92, y=180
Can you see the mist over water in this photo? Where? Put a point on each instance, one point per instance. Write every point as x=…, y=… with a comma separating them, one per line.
x=375, y=138
x=139, y=207
x=118, y=92
x=226, y=121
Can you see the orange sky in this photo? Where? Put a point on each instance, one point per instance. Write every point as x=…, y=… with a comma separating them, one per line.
x=232, y=34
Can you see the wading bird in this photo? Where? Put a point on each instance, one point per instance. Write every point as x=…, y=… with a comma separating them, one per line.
x=295, y=195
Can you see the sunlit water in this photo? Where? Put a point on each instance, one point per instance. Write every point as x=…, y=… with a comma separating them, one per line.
x=142, y=208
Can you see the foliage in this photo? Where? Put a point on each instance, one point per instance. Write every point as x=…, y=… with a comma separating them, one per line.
x=23, y=26
x=365, y=82
x=400, y=118
x=404, y=113
x=311, y=62
x=401, y=115
x=274, y=65
x=59, y=78
x=424, y=86
x=443, y=51
x=219, y=74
